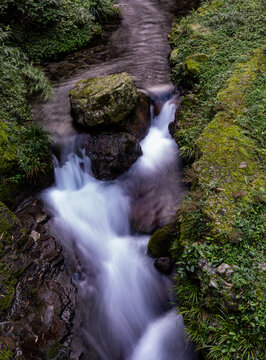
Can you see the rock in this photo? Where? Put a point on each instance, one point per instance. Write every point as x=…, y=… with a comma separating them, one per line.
x=224, y=269
x=139, y=120
x=243, y=165
x=38, y=303
x=213, y=284
x=103, y=101
x=112, y=154
x=35, y=235
x=160, y=242
x=163, y=264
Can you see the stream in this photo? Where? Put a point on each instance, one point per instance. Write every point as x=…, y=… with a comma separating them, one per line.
x=123, y=301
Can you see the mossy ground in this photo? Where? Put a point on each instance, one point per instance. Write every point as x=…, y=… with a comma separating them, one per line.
x=219, y=130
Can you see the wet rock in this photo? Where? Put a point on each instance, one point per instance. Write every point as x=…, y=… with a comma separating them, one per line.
x=139, y=120
x=103, y=101
x=163, y=264
x=38, y=302
x=112, y=154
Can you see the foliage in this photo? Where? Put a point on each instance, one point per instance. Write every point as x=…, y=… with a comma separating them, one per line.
x=20, y=156
x=226, y=32
x=48, y=29
x=220, y=128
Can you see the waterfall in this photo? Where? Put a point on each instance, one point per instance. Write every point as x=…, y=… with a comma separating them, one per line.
x=124, y=300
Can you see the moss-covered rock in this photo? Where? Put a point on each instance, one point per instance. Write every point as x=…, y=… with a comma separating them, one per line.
x=193, y=62
x=160, y=242
x=103, y=101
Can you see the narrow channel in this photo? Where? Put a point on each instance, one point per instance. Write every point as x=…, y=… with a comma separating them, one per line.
x=124, y=311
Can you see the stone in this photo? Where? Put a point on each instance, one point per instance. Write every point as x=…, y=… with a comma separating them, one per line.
x=160, y=242
x=213, y=284
x=139, y=121
x=103, y=101
x=223, y=268
x=164, y=265
x=112, y=154
x=35, y=235
x=38, y=306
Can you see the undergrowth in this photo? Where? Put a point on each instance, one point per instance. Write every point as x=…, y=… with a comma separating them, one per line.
x=49, y=29
x=219, y=59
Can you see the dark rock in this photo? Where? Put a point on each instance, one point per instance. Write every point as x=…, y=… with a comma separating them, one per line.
x=139, y=120
x=112, y=154
x=163, y=264
x=38, y=297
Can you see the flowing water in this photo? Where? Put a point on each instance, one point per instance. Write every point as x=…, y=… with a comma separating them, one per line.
x=123, y=301
x=124, y=298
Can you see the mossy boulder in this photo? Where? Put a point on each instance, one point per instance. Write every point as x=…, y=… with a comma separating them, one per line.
x=161, y=241
x=103, y=101
x=192, y=64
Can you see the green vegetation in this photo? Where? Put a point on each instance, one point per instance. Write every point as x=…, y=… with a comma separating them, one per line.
x=53, y=350
x=24, y=148
x=6, y=355
x=218, y=57
x=48, y=29
x=35, y=31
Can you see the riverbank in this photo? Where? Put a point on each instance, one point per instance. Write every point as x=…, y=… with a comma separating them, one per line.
x=35, y=34
x=218, y=58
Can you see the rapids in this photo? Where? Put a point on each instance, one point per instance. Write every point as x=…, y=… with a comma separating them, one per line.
x=123, y=298
x=123, y=301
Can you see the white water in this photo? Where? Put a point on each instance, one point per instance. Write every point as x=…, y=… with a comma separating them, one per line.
x=123, y=296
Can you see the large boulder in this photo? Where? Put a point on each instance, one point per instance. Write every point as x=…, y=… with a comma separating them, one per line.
x=112, y=154
x=139, y=121
x=103, y=101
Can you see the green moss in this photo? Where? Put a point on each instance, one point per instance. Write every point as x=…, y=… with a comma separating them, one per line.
x=53, y=350
x=161, y=241
x=192, y=66
x=6, y=355
x=227, y=163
